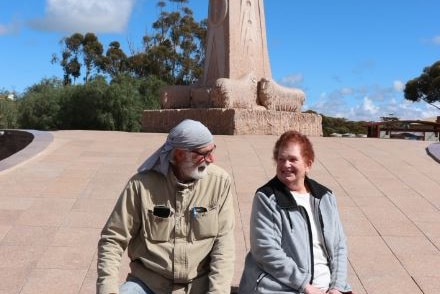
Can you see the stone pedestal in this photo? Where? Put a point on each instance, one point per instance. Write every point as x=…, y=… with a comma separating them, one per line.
x=236, y=95
x=235, y=121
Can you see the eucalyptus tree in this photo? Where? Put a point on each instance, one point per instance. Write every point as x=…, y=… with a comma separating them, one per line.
x=79, y=50
x=70, y=57
x=92, y=51
x=115, y=61
x=175, y=50
x=425, y=87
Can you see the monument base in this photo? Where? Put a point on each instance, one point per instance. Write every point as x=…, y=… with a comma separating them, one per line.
x=233, y=121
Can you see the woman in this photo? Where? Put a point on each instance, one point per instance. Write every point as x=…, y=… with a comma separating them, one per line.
x=296, y=237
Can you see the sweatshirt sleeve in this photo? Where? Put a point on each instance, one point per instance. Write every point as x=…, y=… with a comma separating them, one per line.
x=266, y=228
x=340, y=254
x=123, y=222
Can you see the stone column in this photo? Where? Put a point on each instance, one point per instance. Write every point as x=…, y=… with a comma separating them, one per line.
x=236, y=94
x=236, y=41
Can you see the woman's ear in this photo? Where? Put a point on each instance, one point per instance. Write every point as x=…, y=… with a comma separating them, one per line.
x=309, y=166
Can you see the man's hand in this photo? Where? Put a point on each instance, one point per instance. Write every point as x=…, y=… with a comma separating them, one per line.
x=309, y=289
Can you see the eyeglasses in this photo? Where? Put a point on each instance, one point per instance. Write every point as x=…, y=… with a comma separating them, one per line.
x=204, y=154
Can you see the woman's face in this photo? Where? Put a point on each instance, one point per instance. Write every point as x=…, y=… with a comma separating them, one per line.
x=292, y=167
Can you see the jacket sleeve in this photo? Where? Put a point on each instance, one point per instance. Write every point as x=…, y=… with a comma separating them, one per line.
x=339, y=263
x=266, y=244
x=122, y=224
x=223, y=252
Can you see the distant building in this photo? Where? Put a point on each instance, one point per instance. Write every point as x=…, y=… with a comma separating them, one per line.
x=405, y=129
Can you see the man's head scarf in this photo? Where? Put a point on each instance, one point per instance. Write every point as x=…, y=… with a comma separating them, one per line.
x=188, y=134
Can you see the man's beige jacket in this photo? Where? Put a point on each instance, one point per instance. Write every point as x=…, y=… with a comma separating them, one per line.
x=190, y=251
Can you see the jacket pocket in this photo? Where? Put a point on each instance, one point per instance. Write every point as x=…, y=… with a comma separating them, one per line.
x=258, y=281
x=266, y=283
x=204, y=224
x=159, y=227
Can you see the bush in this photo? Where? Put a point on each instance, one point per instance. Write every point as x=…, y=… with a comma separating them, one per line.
x=123, y=105
x=39, y=108
x=149, y=90
x=115, y=106
x=82, y=107
x=95, y=105
x=8, y=114
x=341, y=126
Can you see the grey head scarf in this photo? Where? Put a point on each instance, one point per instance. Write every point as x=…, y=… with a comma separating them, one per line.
x=188, y=134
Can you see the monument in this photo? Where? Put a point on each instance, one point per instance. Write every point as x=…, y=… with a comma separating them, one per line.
x=236, y=94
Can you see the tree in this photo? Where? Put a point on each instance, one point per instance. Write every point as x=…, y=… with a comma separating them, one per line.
x=176, y=49
x=39, y=108
x=149, y=90
x=83, y=107
x=117, y=87
x=425, y=87
x=340, y=125
x=92, y=51
x=123, y=105
x=70, y=57
x=99, y=105
x=80, y=50
x=115, y=61
x=8, y=111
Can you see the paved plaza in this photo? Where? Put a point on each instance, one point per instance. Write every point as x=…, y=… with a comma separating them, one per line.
x=56, y=194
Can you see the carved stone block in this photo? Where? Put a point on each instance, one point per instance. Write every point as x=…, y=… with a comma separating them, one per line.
x=276, y=97
x=236, y=94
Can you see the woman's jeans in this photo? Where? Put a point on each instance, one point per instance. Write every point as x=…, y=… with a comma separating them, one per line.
x=134, y=286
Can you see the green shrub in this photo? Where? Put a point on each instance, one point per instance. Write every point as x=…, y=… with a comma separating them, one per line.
x=40, y=105
x=8, y=114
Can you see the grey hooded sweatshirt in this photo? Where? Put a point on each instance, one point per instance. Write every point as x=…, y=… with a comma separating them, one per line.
x=281, y=255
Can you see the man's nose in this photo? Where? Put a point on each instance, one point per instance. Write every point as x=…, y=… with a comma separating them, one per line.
x=210, y=158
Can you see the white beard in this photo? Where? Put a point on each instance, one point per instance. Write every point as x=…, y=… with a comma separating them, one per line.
x=195, y=172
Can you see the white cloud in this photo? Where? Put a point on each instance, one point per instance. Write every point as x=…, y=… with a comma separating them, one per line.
x=405, y=109
x=292, y=80
x=6, y=29
x=98, y=16
x=436, y=40
x=369, y=106
x=371, y=103
x=346, y=91
x=3, y=29
x=399, y=86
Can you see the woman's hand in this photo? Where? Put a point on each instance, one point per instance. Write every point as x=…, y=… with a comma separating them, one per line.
x=334, y=291
x=309, y=289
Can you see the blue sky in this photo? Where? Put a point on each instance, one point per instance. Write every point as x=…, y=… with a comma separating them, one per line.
x=352, y=58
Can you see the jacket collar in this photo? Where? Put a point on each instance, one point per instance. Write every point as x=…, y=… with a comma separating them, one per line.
x=283, y=195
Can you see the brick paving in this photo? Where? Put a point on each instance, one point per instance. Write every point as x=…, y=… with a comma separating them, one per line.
x=56, y=194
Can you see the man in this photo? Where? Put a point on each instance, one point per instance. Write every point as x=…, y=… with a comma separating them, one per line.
x=176, y=218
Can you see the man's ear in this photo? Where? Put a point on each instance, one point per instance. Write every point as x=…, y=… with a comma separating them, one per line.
x=178, y=155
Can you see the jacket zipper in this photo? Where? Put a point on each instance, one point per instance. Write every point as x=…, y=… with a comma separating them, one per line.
x=262, y=275
x=309, y=229
x=321, y=222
